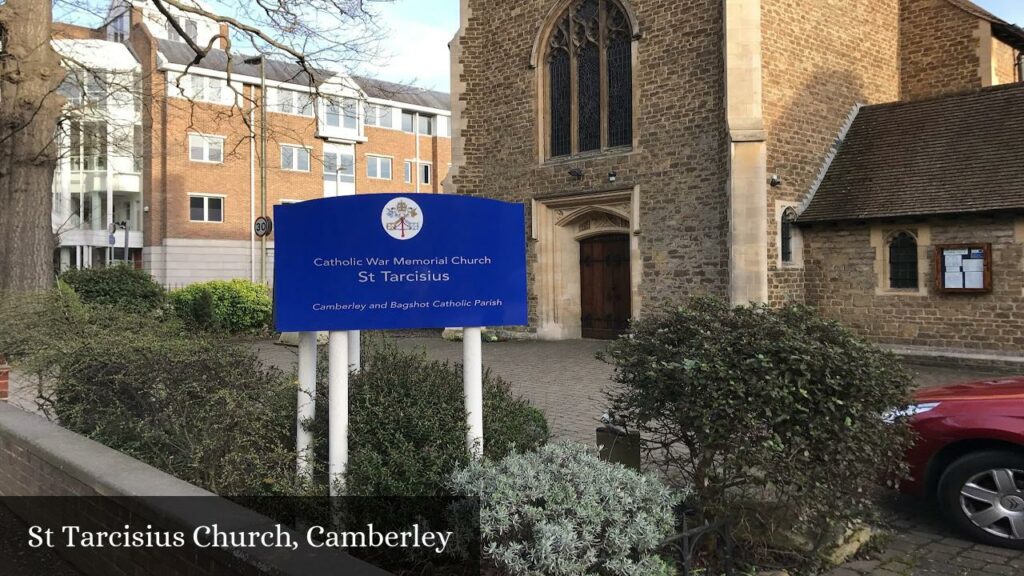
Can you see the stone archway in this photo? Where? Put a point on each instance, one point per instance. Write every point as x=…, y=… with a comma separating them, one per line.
x=559, y=227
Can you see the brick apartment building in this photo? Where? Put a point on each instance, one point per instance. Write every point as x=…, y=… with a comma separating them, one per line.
x=859, y=156
x=179, y=155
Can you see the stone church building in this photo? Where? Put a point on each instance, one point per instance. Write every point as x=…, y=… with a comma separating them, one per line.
x=861, y=156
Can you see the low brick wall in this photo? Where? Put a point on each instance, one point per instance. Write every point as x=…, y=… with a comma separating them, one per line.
x=39, y=458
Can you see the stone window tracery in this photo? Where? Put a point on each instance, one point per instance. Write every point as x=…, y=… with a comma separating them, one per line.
x=589, y=78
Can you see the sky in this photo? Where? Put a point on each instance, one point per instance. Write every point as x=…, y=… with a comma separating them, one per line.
x=418, y=32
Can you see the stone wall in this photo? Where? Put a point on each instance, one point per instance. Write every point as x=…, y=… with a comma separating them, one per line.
x=1004, y=63
x=820, y=60
x=843, y=277
x=678, y=165
x=940, y=50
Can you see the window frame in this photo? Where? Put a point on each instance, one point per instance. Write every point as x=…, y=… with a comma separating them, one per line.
x=304, y=111
x=408, y=171
x=891, y=263
x=540, y=62
x=425, y=173
x=375, y=160
x=295, y=158
x=206, y=147
x=206, y=207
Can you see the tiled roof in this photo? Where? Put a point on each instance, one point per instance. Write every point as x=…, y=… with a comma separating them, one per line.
x=289, y=72
x=948, y=155
x=403, y=93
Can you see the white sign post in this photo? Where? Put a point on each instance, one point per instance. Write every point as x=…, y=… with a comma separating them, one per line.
x=307, y=402
x=337, y=442
x=473, y=386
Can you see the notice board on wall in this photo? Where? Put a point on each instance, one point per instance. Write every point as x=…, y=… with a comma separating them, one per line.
x=964, y=268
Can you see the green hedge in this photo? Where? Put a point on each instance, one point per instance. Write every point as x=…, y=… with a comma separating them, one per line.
x=120, y=286
x=408, y=422
x=773, y=410
x=235, y=306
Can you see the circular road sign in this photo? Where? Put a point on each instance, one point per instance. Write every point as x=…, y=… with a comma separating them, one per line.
x=263, y=227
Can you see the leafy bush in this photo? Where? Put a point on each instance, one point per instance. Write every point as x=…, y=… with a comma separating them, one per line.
x=119, y=285
x=407, y=427
x=201, y=410
x=235, y=306
x=755, y=404
x=562, y=511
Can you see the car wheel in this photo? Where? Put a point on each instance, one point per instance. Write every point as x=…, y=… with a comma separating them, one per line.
x=982, y=494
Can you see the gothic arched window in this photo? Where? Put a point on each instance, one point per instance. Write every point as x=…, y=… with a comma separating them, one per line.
x=903, y=262
x=590, y=78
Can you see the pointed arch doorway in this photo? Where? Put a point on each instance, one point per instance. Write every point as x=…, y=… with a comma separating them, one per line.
x=605, y=293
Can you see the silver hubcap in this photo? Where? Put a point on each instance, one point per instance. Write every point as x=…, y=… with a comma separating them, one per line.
x=994, y=502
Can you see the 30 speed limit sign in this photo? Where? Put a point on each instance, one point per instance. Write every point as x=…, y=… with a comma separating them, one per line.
x=263, y=227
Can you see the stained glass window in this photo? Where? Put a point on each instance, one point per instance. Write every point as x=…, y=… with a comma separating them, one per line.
x=590, y=78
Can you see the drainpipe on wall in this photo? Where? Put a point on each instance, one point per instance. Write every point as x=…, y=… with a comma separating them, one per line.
x=416, y=134
x=5, y=379
x=252, y=188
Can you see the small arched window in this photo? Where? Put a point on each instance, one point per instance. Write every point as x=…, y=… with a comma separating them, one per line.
x=589, y=78
x=903, y=266
x=786, y=235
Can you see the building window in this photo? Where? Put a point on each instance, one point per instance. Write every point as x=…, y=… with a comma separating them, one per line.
x=205, y=208
x=425, y=174
x=590, y=94
x=205, y=148
x=295, y=158
x=903, y=264
x=88, y=145
x=378, y=116
x=786, y=233
x=378, y=167
x=189, y=26
x=292, y=102
x=427, y=125
x=408, y=122
x=198, y=88
x=408, y=172
x=339, y=167
x=342, y=115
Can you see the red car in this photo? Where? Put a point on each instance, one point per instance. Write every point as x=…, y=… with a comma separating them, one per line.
x=969, y=457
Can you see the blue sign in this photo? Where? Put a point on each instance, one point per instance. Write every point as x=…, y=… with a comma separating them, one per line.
x=387, y=261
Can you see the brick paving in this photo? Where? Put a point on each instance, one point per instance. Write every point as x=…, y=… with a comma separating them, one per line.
x=565, y=380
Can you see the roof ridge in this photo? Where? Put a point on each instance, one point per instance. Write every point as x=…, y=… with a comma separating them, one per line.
x=949, y=96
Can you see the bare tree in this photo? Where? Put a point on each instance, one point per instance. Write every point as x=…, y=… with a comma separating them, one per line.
x=314, y=35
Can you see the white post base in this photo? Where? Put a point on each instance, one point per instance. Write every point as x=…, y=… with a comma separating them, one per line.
x=306, y=402
x=473, y=385
x=338, y=370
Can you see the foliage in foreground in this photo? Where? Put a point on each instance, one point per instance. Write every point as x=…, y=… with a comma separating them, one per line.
x=212, y=414
x=118, y=285
x=408, y=422
x=774, y=411
x=234, y=306
x=562, y=511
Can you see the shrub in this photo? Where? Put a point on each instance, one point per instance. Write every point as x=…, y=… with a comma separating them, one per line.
x=755, y=404
x=120, y=286
x=562, y=511
x=206, y=412
x=235, y=306
x=407, y=427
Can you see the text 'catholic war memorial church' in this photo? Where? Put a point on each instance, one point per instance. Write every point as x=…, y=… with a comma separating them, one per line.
x=861, y=156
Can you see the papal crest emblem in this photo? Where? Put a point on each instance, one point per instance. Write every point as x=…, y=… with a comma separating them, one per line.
x=402, y=218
